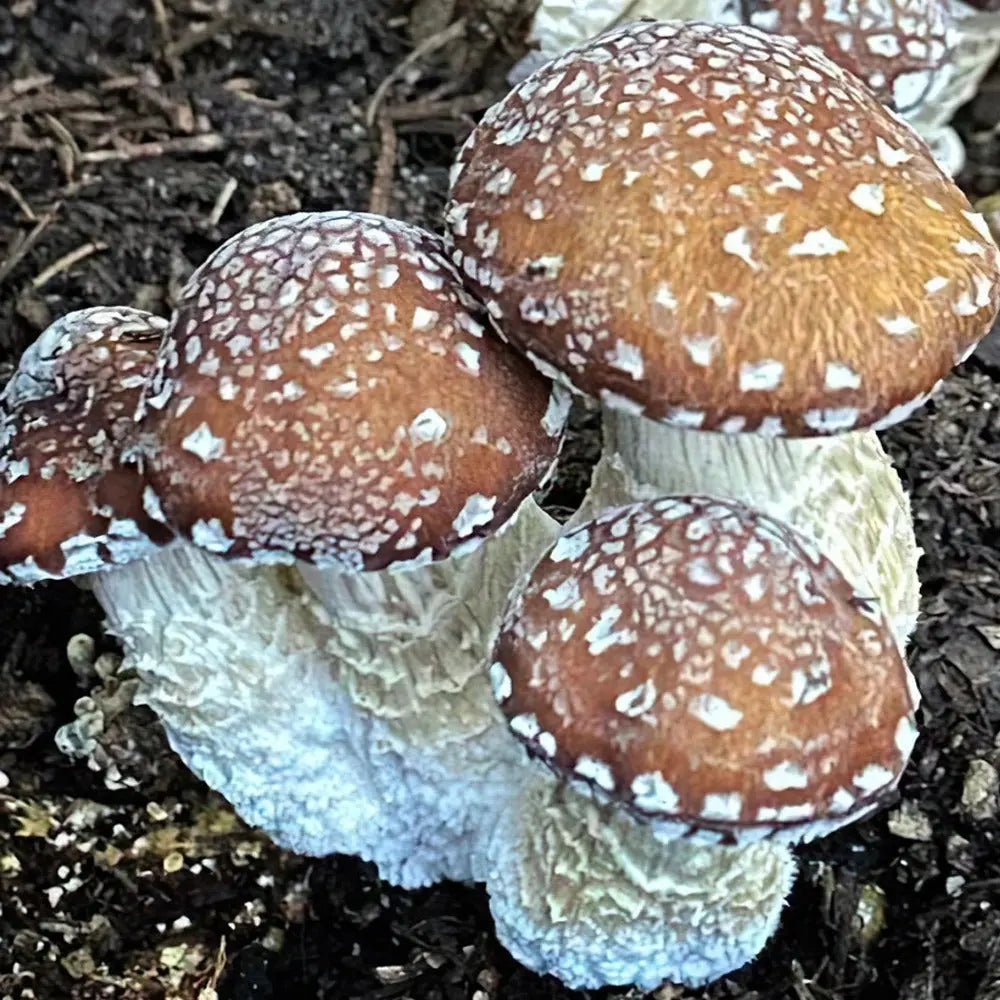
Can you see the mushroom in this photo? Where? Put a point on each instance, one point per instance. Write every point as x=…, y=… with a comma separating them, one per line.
x=67, y=504
x=328, y=396
x=212, y=643
x=711, y=228
x=705, y=686
x=914, y=54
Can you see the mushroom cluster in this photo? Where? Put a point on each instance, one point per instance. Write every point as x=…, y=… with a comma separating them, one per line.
x=307, y=501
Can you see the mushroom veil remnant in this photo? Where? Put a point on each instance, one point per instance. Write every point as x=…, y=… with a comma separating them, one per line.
x=329, y=396
x=701, y=673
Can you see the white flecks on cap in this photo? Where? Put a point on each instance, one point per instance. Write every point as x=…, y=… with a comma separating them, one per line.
x=714, y=712
x=203, y=443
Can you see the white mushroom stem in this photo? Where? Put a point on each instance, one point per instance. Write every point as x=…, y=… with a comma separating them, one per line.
x=232, y=660
x=413, y=644
x=583, y=892
x=841, y=491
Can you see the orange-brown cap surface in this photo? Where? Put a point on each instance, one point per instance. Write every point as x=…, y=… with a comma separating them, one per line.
x=705, y=666
x=329, y=391
x=718, y=227
x=67, y=504
x=900, y=48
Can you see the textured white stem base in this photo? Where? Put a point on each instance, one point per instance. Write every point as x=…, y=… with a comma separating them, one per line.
x=583, y=892
x=413, y=647
x=841, y=491
x=231, y=659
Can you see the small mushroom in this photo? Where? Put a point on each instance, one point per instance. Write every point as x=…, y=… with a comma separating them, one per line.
x=68, y=506
x=711, y=682
x=329, y=396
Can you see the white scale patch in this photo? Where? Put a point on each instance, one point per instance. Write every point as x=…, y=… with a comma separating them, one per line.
x=787, y=774
x=725, y=807
x=478, y=511
x=203, y=443
x=500, y=682
x=714, y=712
x=761, y=375
x=872, y=778
x=638, y=700
x=841, y=376
x=596, y=771
x=869, y=198
x=653, y=793
x=428, y=426
x=818, y=243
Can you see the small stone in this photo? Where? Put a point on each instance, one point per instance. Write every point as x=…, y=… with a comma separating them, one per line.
x=173, y=862
x=910, y=823
x=960, y=855
x=980, y=790
x=870, y=913
x=81, y=651
x=953, y=884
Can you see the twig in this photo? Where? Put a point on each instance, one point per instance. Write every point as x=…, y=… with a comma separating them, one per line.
x=16, y=88
x=65, y=262
x=23, y=245
x=166, y=38
x=222, y=201
x=380, y=199
x=455, y=107
x=430, y=44
x=15, y=196
x=204, y=142
x=200, y=35
x=67, y=151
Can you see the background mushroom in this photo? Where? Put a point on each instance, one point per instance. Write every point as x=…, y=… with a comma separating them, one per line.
x=696, y=670
x=923, y=57
x=329, y=394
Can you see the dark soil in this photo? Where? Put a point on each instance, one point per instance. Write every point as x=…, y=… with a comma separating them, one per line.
x=135, y=135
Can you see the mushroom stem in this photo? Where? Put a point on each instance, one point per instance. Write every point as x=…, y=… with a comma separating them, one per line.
x=841, y=491
x=411, y=642
x=231, y=659
x=586, y=893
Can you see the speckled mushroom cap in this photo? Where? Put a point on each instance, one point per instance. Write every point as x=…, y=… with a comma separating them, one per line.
x=67, y=505
x=717, y=227
x=329, y=391
x=706, y=667
x=900, y=48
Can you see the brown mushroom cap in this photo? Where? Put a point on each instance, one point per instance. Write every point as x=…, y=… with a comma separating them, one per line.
x=900, y=48
x=717, y=227
x=67, y=504
x=329, y=391
x=706, y=667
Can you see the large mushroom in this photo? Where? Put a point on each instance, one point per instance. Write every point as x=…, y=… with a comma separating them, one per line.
x=328, y=395
x=710, y=686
